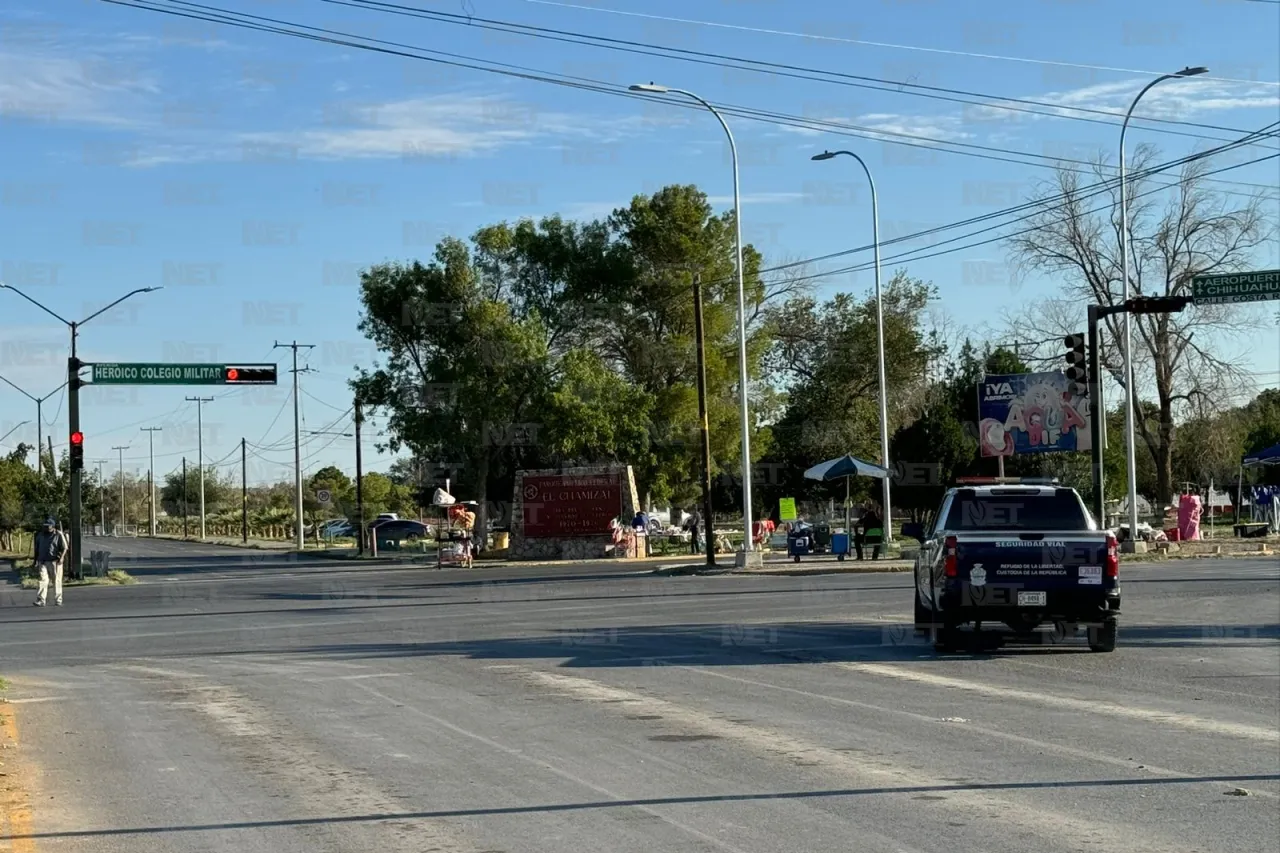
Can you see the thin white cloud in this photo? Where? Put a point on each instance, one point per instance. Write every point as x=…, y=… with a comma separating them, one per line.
x=95, y=90
x=895, y=126
x=415, y=128
x=1174, y=99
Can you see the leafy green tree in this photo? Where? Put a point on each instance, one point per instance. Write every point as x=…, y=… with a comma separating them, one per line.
x=218, y=490
x=622, y=290
x=463, y=377
x=825, y=357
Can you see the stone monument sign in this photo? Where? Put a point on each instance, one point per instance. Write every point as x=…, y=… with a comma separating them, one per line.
x=565, y=513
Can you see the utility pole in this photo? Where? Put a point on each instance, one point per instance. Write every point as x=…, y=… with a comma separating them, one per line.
x=184, y=497
x=151, y=475
x=200, y=401
x=39, y=401
x=297, y=440
x=359, y=416
x=244, y=492
x=102, y=496
x=703, y=425
x=122, y=513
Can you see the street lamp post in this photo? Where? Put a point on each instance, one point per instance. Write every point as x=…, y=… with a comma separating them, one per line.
x=124, y=519
x=1130, y=451
x=653, y=88
x=884, y=385
x=15, y=429
x=73, y=406
x=151, y=474
x=39, y=401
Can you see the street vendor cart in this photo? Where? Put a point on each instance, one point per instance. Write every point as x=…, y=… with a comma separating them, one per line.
x=454, y=535
x=844, y=467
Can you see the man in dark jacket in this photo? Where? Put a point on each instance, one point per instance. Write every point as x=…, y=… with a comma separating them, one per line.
x=870, y=530
x=50, y=553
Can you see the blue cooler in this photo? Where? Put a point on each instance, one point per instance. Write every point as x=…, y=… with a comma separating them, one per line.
x=799, y=544
x=840, y=545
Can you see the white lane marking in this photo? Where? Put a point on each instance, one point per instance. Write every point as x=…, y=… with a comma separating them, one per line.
x=1058, y=702
x=564, y=774
x=31, y=700
x=1000, y=734
x=865, y=771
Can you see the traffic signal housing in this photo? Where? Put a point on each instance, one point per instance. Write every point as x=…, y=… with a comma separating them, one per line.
x=77, y=451
x=1077, y=364
x=1157, y=304
x=250, y=374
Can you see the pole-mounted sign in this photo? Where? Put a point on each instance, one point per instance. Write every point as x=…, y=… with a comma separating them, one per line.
x=163, y=373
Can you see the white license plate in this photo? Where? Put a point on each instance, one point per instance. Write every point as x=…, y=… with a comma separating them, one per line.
x=1031, y=599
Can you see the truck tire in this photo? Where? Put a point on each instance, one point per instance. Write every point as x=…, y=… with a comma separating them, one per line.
x=923, y=616
x=1103, y=637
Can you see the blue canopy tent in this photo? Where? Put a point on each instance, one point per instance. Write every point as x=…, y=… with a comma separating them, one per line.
x=1269, y=456
x=845, y=467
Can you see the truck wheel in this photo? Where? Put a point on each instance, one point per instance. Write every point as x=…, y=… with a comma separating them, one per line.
x=1103, y=638
x=923, y=616
x=945, y=639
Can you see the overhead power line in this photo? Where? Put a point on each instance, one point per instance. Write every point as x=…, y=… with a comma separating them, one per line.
x=276, y=26
x=915, y=255
x=800, y=72
x=833, y=38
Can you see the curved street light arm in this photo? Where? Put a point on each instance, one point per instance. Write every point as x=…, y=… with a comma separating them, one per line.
x=23, y=393
x=48, y=311
x=114, y=304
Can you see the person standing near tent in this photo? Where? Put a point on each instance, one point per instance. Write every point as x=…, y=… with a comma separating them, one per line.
x=870, y=530
x=692, y=523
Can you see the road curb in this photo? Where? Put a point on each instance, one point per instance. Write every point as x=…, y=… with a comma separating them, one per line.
x=828, y=570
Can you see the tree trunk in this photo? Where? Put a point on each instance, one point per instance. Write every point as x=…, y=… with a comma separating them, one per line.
x=1164, y=454
x=481, y=531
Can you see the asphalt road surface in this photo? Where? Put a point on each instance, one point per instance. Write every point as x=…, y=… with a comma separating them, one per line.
x=257, y=704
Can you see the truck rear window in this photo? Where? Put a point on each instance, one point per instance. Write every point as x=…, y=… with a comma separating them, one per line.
x=1013, y=509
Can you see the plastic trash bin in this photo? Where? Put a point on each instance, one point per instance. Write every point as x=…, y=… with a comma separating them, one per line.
x=840, y=545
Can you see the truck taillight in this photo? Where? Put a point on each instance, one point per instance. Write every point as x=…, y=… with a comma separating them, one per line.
x=949, y=565
x=1113, y=557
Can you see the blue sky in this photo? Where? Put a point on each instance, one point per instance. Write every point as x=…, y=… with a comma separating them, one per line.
x=253, y=174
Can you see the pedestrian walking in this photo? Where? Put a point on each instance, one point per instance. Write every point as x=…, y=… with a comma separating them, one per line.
x=51, y=548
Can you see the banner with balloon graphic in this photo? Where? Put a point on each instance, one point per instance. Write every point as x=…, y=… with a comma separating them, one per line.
x=1031, y=413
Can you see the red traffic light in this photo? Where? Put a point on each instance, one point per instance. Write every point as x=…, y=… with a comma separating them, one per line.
x=232, y=374
x=77, y=438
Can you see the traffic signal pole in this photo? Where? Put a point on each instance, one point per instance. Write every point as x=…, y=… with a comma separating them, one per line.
x=1097, y=417
x=74, y=475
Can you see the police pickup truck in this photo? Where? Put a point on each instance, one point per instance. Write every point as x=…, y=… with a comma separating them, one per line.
x=1018, y=552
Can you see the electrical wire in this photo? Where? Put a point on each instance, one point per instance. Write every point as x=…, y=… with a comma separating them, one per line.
x=820, y=37
x=799, y=72
x=911, y=256
x=1043, y=205
x=323, y=403
x=248, y=22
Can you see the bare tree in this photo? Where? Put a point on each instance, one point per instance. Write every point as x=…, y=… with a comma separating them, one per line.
x=1175, y=233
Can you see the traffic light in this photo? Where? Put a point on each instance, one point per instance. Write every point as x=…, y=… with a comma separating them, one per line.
x=77, y=451
x=254, y=374
x=1077, y=365
x=1157, y=304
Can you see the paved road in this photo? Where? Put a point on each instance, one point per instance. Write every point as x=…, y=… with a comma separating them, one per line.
x=534, y=709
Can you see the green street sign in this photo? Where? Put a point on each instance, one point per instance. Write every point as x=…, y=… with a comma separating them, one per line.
x=162, y=373
x=1235, y=287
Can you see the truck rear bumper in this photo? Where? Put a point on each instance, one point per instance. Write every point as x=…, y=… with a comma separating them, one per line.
x=964, y=604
